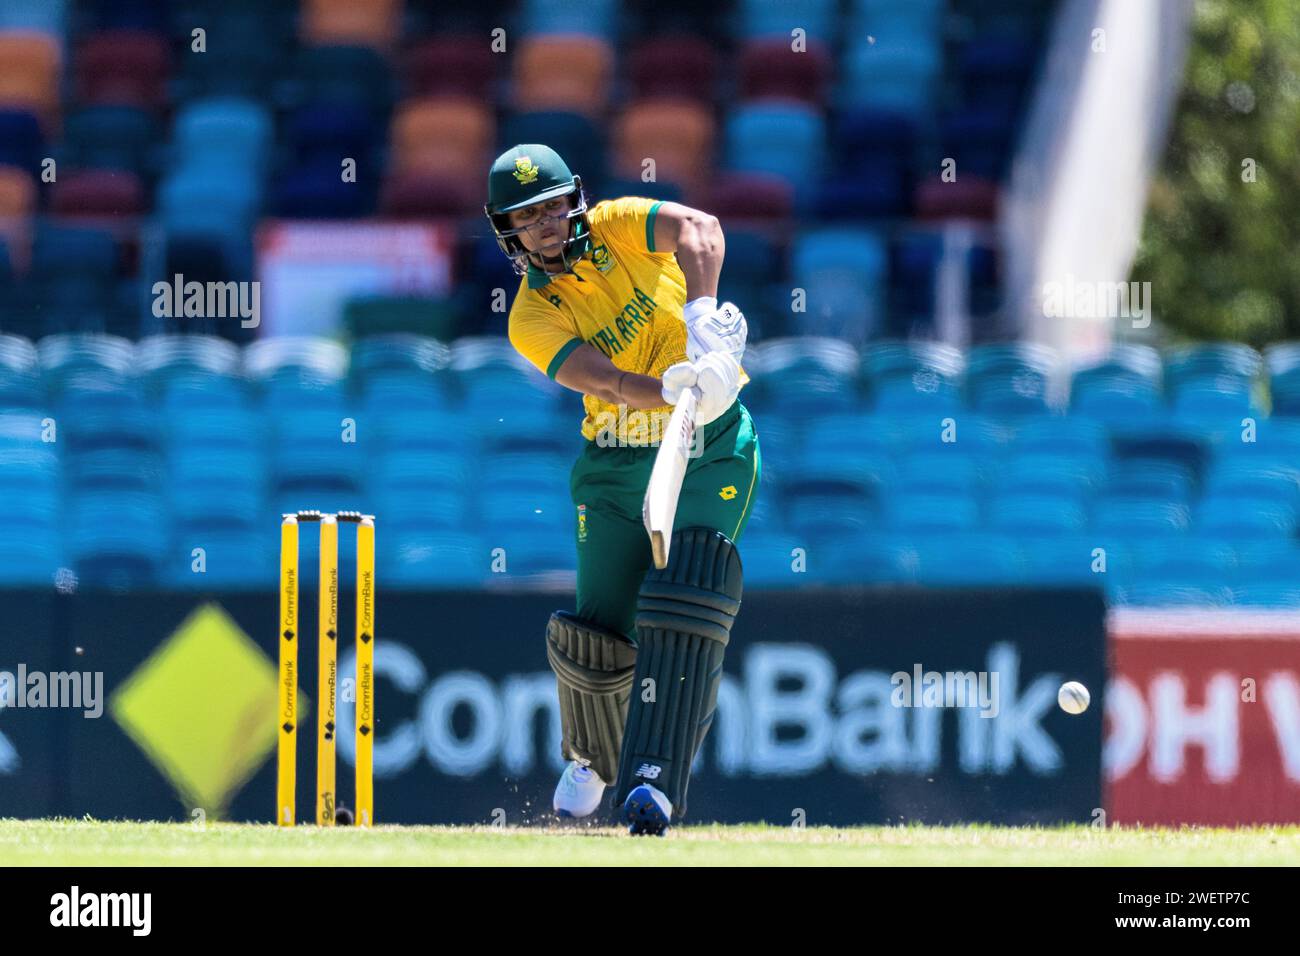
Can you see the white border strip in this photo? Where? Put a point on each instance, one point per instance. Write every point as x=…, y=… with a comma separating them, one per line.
x=1128, y=623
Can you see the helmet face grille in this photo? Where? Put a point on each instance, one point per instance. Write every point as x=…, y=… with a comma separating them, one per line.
x=512, y=246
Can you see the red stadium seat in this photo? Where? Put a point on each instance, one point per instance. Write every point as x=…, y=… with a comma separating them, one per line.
x=419, y=195
x=451, y=65
x=968, y=197
x=98, y=192
x=683, y=66
x=123, y=67
x=769, y=68
x=750, y=196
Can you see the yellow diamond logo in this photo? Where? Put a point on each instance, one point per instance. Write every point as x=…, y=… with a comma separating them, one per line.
x=727, y=493
x=203, y=708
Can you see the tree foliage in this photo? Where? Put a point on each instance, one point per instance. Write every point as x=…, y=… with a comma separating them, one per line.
x=1222, y=252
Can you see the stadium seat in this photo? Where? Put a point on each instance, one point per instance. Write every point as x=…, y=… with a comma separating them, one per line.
x=98, y=193
x=441, y=135
x=677, y=134
x=1015, y=512
x=842, y=272
x=372, y=24
x=599, y=18
x=123, y=67
x=694, y=72
x=786, y=140
x=1014, y=379
x=771, y=69
x=565, y=73
x=759, y=18
x=451, y=65
x=21, y=140
x=1127, y=516
x=29, y=74
x=896, y=72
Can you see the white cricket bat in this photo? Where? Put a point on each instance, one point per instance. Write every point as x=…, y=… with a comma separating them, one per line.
x=659, y=507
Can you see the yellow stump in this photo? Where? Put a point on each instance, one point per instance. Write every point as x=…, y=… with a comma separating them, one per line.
x=286, y=777
x=365, y=703
x=327, y=669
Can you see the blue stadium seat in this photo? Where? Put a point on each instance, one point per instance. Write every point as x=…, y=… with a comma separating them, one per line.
x=232, y=558
x=1012, y=379
x=420, y=559
x=923, y=511
x=1061, y=559
x=20, y=373
x=896, y=71
x=1128, y=516
x=770, y=558
x=805, y=375
x=1046, y=473
x=786, y=140
x=1239, y=515
x=223, y=130
x=761, y=18
x=1173, y=594
x=599, y=17
x=1015, y=512
x=842, y=272
x=1283, y=362
x=954, y=560
x=117, y=539
x=941, y=473
x=913, y=377
x=819, y=510
x=30, y=560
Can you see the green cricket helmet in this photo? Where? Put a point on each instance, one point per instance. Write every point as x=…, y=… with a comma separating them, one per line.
x=527, y=174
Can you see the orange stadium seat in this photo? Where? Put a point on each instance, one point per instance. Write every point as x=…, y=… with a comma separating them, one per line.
x=570, y=73
x=677, y=134
x=445, y=134
x=17, y=193
x=29, y=73
x=372, y=23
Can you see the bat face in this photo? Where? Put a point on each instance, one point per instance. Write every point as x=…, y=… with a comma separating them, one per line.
x=659, y=507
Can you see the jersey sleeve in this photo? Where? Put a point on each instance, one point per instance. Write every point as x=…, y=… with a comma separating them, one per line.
x=629, y=222
x=541, y=334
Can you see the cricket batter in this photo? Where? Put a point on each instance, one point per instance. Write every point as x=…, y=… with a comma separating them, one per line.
x=619, y=302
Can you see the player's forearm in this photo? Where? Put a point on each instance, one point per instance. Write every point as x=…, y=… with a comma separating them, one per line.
x=700, y=250
x=635, y=391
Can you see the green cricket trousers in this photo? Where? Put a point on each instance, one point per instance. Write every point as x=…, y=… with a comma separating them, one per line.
x=608, y=484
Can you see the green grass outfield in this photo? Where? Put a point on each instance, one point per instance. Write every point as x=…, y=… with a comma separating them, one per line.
x=94, y=843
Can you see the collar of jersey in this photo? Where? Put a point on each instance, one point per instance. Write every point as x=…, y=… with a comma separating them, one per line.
x=538, y=277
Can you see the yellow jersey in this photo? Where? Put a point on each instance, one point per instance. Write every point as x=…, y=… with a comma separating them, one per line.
x=623, y=298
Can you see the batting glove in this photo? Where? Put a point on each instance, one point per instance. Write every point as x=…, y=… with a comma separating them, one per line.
x=677, y=378
x=717, y=385
x=714, y=328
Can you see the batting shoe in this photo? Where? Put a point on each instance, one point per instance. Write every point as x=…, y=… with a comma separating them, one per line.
x=648, y=811
x=579, y=791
